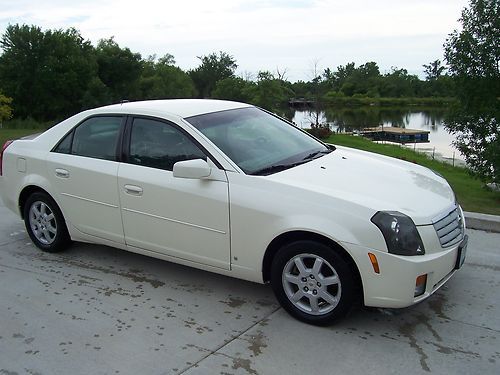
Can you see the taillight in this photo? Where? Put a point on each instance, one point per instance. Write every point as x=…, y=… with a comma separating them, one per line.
x=6, y=144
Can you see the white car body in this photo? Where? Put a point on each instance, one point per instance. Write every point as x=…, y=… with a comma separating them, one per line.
x=226, y=223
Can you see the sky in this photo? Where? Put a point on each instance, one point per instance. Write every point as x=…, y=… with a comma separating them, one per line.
x=290, y=35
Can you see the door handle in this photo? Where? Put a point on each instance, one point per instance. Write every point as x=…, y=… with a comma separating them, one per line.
x=62, y=173
x=133, y=190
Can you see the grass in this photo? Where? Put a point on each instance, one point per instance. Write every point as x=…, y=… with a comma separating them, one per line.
x=18, y=128
x=471, y=192
x=6, y=134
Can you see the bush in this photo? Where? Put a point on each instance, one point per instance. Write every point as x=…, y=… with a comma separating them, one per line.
x=321, y=131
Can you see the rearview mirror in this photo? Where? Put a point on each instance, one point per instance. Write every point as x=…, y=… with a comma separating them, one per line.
x=196, y=168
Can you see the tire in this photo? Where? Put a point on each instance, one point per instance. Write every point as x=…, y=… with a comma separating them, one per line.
x=45, y=223
x=313, y=282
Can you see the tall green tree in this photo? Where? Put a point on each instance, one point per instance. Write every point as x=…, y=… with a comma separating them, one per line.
x=473, y=56
x=398, y=83
x=45, y=72
x=161, y=79
x=119, y=69
x=213, y=68
x=270, y=92
x=234, y=88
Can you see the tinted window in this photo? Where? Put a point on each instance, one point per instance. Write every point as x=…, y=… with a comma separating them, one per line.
x=64, y=146
x=159, y=145
x=97, y=138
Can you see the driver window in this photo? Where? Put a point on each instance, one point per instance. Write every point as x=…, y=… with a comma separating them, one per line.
x=159, y=145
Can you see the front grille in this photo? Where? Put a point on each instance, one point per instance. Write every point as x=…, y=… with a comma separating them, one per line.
x=450, y=228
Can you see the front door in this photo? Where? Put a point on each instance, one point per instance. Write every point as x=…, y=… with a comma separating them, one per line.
x=183, y=218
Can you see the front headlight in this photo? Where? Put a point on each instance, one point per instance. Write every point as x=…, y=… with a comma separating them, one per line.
x=400, y=233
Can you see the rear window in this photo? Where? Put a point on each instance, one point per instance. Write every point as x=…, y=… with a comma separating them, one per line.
x=96, y=138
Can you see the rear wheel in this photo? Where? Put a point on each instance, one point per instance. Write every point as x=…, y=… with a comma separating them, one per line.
x=313, y=282
x=45, y=223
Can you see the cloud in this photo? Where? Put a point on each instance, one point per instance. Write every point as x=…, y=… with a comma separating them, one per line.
x=261, y=34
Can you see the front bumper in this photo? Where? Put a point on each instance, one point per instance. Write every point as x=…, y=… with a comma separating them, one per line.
x=394, y=286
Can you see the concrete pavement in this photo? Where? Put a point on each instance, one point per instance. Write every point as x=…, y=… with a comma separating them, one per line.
x=98, y=310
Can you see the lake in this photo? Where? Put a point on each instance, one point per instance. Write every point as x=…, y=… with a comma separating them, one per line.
x=349, y=119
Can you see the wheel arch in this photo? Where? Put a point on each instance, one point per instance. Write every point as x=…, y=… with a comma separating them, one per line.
x=292, y=236
x=26, y=192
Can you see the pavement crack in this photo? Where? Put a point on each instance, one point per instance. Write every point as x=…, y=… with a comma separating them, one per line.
x=226, y=343
x=475, y=325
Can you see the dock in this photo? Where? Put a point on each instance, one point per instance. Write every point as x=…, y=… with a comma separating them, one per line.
x=300, y=102
x=397, y=135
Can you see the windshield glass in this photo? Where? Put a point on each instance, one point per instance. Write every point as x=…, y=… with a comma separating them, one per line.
x=258, y=142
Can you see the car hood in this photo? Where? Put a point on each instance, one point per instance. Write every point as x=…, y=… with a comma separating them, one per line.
x=374, y=181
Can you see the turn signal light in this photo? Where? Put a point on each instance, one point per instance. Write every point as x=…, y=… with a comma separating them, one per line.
x=420, y=285
x=374, y=261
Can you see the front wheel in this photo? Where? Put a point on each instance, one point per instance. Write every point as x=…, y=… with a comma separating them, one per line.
x=312, y=282
x=45, y=223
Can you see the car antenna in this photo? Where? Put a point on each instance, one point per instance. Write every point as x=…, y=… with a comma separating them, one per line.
x=124, y=101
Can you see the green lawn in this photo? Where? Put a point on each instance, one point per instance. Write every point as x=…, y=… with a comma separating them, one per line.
x=6, y=134
x=470, y=191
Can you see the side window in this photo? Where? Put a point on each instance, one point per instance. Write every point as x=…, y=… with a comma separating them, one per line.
x=97, y=138
x=64, y=147
x=159, y=145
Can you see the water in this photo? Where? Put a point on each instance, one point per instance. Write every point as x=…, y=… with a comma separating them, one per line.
x=352, y=119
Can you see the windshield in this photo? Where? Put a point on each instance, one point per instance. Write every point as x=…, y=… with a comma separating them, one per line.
x=258, y=142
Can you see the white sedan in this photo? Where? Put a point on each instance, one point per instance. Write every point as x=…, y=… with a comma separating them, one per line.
x=230, y=188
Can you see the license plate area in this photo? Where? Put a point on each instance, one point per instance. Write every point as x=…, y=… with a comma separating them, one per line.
x=462, y=251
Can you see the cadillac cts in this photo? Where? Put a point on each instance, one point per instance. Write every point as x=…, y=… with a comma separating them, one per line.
x=230, y=188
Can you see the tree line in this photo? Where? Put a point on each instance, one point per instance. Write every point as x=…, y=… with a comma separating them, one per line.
x=50, y=74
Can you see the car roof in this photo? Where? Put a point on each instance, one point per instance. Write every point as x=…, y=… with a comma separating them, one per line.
x=179, y=107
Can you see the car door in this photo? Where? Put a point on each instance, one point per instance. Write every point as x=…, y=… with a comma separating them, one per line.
x=83, y=168
x=179, y=217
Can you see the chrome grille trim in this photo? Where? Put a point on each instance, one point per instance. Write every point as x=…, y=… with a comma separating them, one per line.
x=450, y=227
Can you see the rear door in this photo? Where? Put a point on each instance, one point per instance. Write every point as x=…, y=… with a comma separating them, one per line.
x=83, y=168
x=183, y=218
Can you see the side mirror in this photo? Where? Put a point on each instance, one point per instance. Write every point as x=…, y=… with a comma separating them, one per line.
x=195, y=169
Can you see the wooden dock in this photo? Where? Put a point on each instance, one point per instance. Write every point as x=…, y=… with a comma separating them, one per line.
x=397, y=135
x=300, y=102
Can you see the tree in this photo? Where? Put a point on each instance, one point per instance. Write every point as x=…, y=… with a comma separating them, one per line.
x=398, y=83
x=119, y=69
x=213, y=68
x=167, y=59
x=162, y=79
x=234, y=88
x=434, y=70
x=45, y=72
x=270, y=93
x=5, y=108
x=473, y=56
x=342, y=74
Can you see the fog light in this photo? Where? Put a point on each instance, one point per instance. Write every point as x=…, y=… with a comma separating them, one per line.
x=420, y=285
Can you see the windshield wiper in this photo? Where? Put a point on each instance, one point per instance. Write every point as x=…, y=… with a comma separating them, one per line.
x=313, y=154
x=276, y=168
x=281, y=167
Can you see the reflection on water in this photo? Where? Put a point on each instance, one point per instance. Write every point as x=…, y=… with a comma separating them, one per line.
x=352, y=119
